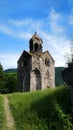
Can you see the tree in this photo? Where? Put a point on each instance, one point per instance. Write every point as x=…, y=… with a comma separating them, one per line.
x=1, y=72
x=67, y=75
x=10, y=82
x=1, y=79
x=69, y=56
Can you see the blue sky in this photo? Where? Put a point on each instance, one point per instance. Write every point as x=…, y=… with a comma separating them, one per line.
x=19, y=19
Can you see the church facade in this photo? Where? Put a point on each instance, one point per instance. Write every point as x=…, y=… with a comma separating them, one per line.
x=36, y=70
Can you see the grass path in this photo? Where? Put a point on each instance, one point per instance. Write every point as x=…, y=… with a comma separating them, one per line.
x=9, y=118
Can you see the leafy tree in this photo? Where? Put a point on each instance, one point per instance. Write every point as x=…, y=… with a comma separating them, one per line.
x=1, y=72
x=10, y=83
x=1, y=78
x=69, y=56
x=67, y=73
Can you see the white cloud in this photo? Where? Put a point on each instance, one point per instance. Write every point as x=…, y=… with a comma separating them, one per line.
x=9, y=60
x=56, y=20
x=51, y=30
x=23, y=28
x=25, y=22
x=71, y=19
x=57, y=47
x=54, y=16
x=24, y=35
x=5, y=29
x=14, y=33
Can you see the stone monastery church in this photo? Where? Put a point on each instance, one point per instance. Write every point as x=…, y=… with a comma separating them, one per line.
x=35, y=68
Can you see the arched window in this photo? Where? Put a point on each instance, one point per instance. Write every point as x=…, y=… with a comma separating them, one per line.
x=47, y=62
x=36, y=46
x=31, y=46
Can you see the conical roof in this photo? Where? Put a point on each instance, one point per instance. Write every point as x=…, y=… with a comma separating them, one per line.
x=36, y=36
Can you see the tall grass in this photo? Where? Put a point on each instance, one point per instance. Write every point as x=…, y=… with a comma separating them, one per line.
x=42, y=110
x=2, y=114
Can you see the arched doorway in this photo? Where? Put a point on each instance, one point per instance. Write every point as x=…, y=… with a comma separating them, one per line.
x=38, y=79
x=35, y=80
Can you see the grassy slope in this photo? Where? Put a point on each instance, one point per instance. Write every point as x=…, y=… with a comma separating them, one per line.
x=2, y=114
x=42, y=110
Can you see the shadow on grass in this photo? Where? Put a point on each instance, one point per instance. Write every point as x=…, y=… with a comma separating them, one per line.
x=54, y=109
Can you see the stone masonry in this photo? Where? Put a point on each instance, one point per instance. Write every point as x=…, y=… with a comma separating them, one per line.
x=35, y=68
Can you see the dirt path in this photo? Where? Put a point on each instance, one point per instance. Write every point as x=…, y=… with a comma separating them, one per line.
x=9, y=118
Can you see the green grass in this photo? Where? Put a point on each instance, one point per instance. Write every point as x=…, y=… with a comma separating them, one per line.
x=2, y=114
x=42, y=110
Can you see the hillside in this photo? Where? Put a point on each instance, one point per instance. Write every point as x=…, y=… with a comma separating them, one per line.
x=10, y=71
x=58, y=78
x=42, y=110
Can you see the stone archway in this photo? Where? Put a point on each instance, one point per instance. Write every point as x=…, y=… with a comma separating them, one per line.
x=35, y=80
x=38, y=79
